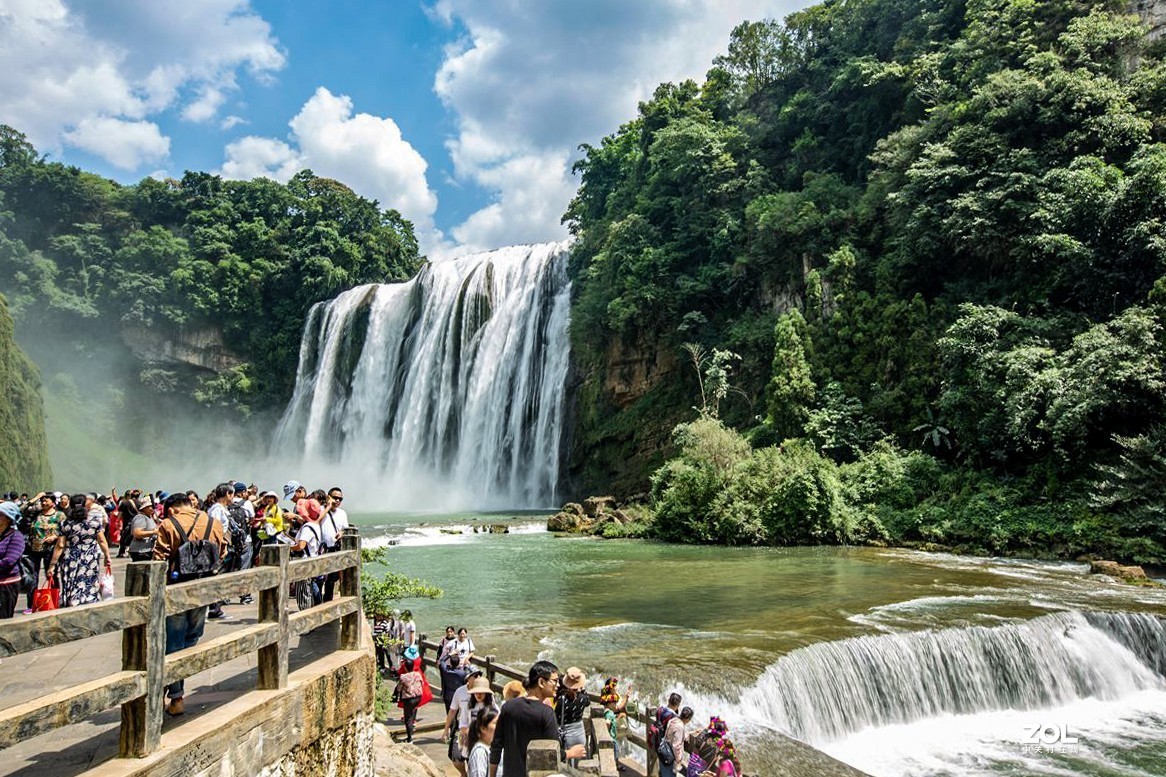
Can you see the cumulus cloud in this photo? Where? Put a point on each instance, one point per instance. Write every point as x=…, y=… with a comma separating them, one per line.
x=124, y=144
x=366, y=152
x=70, y=66
x=530, y=81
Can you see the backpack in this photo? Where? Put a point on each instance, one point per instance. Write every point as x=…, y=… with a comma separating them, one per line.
x=656, y=734
x=240, y=525
x=196, y=558
x=410, y=685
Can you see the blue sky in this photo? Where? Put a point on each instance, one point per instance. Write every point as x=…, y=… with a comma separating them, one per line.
x=465, y=115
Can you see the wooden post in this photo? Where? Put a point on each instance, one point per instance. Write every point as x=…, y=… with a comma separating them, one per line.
x=143, y=649
x=350, y=630
x=273, y=609
x=490, y=673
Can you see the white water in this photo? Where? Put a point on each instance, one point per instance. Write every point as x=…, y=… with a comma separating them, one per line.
x=445, y=392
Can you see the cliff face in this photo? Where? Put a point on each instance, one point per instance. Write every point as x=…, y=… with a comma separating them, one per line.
x=629, y=397
x=24, y=459
x=199, y=348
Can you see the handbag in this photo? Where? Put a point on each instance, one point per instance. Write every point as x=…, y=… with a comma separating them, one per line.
x=47, y=597
x=27, y=575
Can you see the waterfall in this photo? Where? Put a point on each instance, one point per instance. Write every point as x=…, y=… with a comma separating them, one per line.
x=829, y=690
x=446, y=391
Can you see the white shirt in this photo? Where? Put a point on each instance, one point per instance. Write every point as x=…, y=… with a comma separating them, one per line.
x=463, y=647
x=220, y=514
x=310, y=533
x=408, y=632
x=333, y=525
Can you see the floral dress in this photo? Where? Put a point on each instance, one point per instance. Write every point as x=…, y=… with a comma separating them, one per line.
x=80, y=563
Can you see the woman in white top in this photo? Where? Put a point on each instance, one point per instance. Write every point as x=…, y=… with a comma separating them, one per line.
x=481, y=737
x=464, y=646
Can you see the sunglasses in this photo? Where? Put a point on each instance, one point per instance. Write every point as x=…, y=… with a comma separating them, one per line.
x=335, y=498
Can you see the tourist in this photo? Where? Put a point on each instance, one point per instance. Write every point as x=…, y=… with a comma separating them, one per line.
x=44, y=528
x=309, y=544
x=408, y=629
x=707, y=754
x=221, y=497
x=571, y=705
x=270, y=519
x=242, y=516
x=332, y=525
x=453, y=677
x=614, y=712
x=480, y=738
x=463, y=646
x=79, y=551
x=459, y=698
x=127, y=509
x=446, y=641
x=674, y=735
x=184, y=523
x=526, y=719
x=11, y=549
x=412, y=690
x=479, y=697
x=395, y=646
x=143, y=530
x=380, y=640
x=512, y=690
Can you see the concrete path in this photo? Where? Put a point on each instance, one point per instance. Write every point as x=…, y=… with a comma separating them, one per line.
x=73, y=749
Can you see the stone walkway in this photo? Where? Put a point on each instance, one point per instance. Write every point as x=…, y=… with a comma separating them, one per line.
x=72, y=749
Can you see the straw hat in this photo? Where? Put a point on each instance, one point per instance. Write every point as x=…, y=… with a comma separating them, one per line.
x=574, y=678
x=479, y=685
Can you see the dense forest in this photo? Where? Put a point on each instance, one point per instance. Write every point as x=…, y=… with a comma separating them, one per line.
x=94, y=270
x=905, y=258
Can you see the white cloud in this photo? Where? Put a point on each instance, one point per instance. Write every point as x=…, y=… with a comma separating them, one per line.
x=531, y=81
x=67, y=66
x=229, y=122
x=124, y=144
x=366, y=152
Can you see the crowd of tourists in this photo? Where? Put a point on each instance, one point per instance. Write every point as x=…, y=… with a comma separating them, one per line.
x=487, y=736
x=55, y=542
x=58, y=548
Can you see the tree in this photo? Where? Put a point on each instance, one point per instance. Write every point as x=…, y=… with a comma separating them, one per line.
x=791, y=391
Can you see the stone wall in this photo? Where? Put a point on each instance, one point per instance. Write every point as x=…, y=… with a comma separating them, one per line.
x=321, y=725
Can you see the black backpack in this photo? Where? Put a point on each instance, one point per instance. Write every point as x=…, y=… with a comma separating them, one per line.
x=196, y=558
x=656, y=739
x=240, y=525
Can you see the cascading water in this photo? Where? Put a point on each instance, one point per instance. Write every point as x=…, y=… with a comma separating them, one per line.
x=829, y=690
x=446, y=391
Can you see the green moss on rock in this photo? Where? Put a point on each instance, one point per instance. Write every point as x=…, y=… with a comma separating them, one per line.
x=24, y=458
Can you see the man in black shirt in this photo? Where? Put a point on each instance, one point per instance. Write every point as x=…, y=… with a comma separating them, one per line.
x=524, y=720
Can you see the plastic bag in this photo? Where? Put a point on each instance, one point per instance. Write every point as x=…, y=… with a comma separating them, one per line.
x=107, y=585
x=47, y=597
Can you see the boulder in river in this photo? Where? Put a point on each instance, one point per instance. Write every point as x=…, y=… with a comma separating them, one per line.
x=594, y=505
x=1114, y=569
x=564, y=521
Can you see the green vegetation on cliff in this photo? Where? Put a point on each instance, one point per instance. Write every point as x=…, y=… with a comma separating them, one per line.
x=87, y=263
x=934, y=232
x=24, y=458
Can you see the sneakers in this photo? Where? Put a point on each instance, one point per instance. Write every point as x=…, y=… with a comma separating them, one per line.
x=27, y=612
x=176, y=707
x=246, y=599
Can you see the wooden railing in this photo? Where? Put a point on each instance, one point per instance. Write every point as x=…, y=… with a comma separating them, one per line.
x=141, y=617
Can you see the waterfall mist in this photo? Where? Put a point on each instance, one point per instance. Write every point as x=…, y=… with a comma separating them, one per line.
x=444, y=392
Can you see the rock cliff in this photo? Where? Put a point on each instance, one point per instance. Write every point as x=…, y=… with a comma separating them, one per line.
x=24, y=458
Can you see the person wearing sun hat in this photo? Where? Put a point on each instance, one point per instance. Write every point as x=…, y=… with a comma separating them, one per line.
x=11, y=549
x=613, y=710
x=571, y=705
x=413, y=689
x=459, y=699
